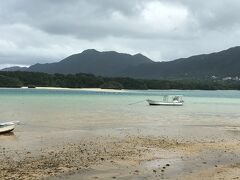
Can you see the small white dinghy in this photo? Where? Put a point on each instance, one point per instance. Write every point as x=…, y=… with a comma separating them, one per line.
x=7, y=126
x=169, y=100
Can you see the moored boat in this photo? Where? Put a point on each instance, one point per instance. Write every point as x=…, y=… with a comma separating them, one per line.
x=169, y=100
x=7, y=127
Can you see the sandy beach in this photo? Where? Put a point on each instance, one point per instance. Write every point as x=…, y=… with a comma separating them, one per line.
x=82, y=89
x=124, y=157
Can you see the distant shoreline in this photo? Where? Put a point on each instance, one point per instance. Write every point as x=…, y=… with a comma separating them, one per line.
x=82, y=81
x=115, y=90
x=82, y=89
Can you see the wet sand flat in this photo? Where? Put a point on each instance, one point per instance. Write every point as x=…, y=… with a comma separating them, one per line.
x=126, y=156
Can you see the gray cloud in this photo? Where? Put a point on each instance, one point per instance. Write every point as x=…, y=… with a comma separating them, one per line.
x=48, y=30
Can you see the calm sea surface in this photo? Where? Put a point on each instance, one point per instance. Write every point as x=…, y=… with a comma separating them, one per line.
x=77, y=109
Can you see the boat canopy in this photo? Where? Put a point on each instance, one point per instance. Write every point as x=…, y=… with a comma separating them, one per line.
x=168, y=98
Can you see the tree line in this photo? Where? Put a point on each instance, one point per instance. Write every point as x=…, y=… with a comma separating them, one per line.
x=81, y=80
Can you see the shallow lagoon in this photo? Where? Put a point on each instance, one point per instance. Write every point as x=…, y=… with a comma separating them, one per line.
x=47, y=110
x=63, y=120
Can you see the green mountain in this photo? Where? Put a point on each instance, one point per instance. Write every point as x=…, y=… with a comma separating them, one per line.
x=113, y=64
x=94, y=62
x=222, y=64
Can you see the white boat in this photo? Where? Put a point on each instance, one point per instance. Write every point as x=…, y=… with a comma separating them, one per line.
x=169, y=100
x=7, y=127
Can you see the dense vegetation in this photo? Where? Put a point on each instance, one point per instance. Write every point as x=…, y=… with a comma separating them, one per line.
x=31, y=79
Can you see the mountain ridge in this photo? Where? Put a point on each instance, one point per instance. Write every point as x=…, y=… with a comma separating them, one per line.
x=114, y=64
x=106, y=63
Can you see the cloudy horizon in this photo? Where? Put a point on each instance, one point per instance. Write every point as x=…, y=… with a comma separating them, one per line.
x=50, y=30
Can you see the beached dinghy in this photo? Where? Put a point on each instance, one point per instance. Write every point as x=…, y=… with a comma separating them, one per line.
x=7, y=127
x=170, y=100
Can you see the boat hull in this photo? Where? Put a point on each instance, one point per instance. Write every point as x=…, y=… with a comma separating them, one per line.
x=160, y=103
x=7, y=128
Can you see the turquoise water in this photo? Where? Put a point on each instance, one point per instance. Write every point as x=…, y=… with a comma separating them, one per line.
x=52, y=110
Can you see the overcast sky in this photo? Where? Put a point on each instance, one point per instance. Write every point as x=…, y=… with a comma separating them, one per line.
x=43, y=31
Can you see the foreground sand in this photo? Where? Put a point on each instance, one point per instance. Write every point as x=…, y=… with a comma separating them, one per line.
x=125, y=157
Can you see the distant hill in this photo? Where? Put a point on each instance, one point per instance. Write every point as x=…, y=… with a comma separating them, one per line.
x=114, y=64
x=15, y=68
x=222, y=64
x=91, y=61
